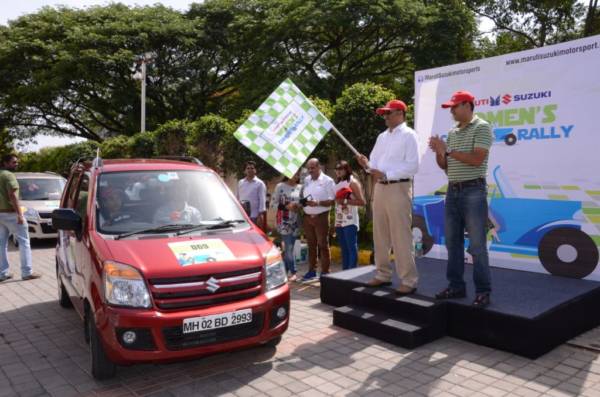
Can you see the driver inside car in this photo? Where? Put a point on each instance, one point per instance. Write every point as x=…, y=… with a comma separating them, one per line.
x=176, y=210
x=111, y=206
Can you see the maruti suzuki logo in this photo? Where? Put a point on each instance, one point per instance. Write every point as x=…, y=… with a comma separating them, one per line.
x=212, y=284
x=506, y=99
x=495, y=101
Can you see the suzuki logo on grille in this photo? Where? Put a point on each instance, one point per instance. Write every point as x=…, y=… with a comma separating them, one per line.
x=213, y=284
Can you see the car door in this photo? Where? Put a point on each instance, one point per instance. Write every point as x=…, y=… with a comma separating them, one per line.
x=65, y=253
x=79, y=244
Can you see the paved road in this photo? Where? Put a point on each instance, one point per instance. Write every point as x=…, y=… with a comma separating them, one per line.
x=42, y=352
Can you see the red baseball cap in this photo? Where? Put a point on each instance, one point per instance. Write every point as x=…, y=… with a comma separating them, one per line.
x=459, y=97
x=343, y=193
x=394, y=104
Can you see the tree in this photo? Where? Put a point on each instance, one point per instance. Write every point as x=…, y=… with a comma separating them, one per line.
x=592, y=19
x=537, y=22
x=206, y=137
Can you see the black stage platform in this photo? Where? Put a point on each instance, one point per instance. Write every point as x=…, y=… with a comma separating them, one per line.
x=530, y=314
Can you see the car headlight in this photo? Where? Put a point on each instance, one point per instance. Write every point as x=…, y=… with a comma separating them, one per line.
x=275, y=269
x=124, y=286
x=30, y=213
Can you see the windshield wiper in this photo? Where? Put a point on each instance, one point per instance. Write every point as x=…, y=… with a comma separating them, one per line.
x=222, y=224
x=163, y=228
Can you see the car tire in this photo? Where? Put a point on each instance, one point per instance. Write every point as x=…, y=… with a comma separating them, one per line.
x=586, y=253
x=273, y=342
x=510, y=139
x=101, y=366
x=426, y=238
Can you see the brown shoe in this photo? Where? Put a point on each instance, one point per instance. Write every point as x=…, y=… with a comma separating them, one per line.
x=405, y=290
x=378, y=283
x=32, y=276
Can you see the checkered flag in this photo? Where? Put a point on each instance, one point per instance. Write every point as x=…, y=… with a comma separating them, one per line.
x=285, y=129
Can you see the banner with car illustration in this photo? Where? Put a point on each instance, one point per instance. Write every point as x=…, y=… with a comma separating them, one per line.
x=544, y=184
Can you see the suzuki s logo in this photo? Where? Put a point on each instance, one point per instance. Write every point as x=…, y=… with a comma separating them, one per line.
x=506, y=98
x=212, y=284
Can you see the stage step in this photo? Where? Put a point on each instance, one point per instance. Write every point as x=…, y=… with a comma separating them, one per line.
x=383, y=326
x=407, y=321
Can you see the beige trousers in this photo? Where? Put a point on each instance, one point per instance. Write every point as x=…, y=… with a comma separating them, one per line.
x=392, y=228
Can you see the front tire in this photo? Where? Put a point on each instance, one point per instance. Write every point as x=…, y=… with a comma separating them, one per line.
x=102, y=367
x=568, y=252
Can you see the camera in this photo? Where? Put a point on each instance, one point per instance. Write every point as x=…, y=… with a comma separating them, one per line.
x=304, y=200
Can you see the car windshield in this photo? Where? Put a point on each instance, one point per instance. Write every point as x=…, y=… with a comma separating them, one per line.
x=40, y=188
x=127, y=202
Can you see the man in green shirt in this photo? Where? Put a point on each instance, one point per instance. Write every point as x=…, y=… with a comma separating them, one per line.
x=12, y=221
x=464, y=158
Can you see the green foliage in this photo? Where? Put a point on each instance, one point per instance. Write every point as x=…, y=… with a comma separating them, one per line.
x=205, y=139
x=116, y=148
x=58, y=159
x=141, y=145
x=170, y=137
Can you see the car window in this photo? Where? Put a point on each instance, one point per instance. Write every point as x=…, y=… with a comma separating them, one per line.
x=82, y=197
x=41, y=189
x=129, y=201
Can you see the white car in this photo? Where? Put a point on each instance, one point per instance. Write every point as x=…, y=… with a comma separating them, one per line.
x=39, y=193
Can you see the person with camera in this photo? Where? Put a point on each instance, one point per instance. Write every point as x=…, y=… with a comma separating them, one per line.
x=252, y=193
x=348, y=197
x=464, y=158
x=286, y=199
x=394, y=161
x=318, y=195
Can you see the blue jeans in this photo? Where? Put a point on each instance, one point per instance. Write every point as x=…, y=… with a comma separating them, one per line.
x=9, y=225
x=347, y=238
x=467, y=208
x=288, y=252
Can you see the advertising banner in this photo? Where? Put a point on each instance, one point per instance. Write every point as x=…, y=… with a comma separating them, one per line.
x=543, y=171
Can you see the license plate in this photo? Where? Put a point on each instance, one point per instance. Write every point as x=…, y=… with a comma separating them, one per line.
x=229, y=319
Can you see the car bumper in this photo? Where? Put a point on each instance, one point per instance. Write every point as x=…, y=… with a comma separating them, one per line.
x=41, y=229
x=160, y=333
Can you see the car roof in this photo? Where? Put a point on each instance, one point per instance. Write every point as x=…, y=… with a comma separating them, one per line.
x=121, y=165
x=38, y=175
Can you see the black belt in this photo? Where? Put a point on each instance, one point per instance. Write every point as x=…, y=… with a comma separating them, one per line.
x=458, y=185
x=389, y=182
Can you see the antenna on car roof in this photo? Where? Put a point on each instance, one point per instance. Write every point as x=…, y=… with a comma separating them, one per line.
x=97, y=163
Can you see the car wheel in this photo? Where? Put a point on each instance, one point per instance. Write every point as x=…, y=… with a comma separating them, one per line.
x=419, y=227
x=568, y=252
x=273, y=342
x=102, y=367
x=510, y=139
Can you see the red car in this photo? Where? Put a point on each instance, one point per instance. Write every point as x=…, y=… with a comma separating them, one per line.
x=162, y=263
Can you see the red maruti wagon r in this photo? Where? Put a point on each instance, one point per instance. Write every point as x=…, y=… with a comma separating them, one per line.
x=162, y=263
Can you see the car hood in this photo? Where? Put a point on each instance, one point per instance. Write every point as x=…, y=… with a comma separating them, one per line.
x=41, y=205
x=193, y=255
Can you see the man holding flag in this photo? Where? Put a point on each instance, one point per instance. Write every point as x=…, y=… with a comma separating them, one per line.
x=393, y=162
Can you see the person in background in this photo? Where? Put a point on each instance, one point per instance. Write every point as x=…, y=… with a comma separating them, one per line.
x=253, y=190
x=286, y=199
x=176, y=210
x=13, y=222
x=348, y=198
x=318, y=195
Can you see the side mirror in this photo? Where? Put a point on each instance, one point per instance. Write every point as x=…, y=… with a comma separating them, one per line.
x=67, y=219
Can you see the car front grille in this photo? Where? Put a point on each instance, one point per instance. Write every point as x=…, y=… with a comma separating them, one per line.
x=206, y=290
x=175, y=339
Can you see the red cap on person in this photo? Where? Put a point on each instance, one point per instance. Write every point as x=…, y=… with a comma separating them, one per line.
x=343, y=193
x=459, y=97
x=394, y=104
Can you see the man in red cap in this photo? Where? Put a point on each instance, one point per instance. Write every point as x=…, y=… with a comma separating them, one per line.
x=392, y=164
x=464, y=158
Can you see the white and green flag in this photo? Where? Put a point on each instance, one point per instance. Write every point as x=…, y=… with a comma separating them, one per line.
x=285, y=129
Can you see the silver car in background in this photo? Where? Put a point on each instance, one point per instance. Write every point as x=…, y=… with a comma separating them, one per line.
x=39, y=193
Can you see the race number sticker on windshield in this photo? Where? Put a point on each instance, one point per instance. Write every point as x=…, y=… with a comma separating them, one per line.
x=201, y=251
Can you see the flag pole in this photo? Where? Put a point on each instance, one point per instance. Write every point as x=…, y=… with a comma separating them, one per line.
x=352, y=148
